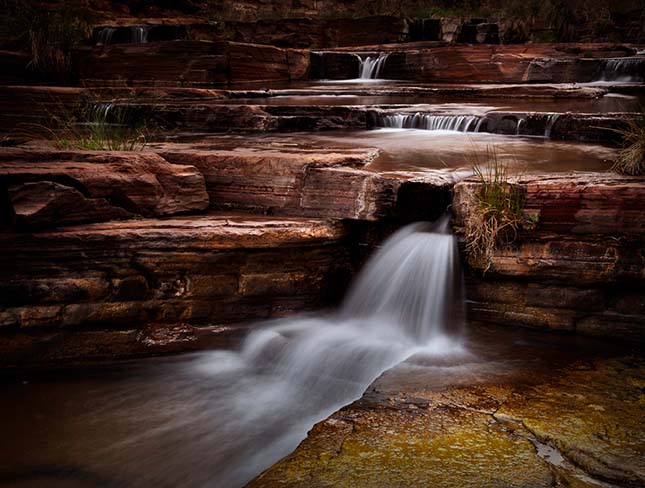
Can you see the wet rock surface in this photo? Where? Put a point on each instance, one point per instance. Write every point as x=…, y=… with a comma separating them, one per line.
x=516, y=414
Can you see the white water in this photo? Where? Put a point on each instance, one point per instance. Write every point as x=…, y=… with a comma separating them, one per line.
x=460, y=123
x=456, y=123
x=551, y=120
x=630, y=69
x=255, y=405
x=138, y=35
x=370, y=68
x=105, y=36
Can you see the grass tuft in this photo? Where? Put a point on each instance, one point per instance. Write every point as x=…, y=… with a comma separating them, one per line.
x=631, y=157
x=95, y=127
x=493, y=213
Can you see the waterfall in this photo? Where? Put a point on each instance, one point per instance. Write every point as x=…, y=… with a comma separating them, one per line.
x=460, y=123
x=370, y=68
x=623, y=69
x=105, y=36
x=295, y=372
x=550, y=122
x=139, y=35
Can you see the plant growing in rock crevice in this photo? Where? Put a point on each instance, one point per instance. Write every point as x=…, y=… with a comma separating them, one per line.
x=95, y=127
x=631, y=157
x=492, y=210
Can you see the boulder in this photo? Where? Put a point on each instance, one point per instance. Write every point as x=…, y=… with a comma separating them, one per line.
x=52, y=188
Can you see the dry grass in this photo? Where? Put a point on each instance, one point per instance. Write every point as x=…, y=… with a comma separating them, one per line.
x=492, y=209
x=631, y=157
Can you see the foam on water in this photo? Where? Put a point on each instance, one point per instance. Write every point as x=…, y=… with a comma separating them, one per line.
x=225, y=416
x=408, y=299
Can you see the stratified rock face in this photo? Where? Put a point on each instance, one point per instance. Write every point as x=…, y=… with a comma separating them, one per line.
x=53, y=188
x=529, y=63
x=318, y=33
x=331, y=184
x=190, y=63
x=581, y=269
x=183, y=270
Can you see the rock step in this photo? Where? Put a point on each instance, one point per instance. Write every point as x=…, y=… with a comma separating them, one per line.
x=581, y=267
x=191, y=63
x=197, y=270
x=205, y=63
x=47, y=188
x=324, y=183
x=220, y=117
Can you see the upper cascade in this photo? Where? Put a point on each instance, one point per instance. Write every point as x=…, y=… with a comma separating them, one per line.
x=370, y=68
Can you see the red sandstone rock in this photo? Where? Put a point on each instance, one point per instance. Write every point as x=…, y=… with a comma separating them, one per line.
x=199, y=270
x=62, y=187
x=317, y=183
x=570, y=272
x=47, y=203
x=189, y=63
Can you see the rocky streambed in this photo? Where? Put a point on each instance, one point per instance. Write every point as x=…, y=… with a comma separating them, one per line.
x=256, y=192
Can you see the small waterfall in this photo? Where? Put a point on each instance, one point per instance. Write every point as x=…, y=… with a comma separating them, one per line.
x=460, y=123
x=520, y=123
x=295, y=372
x=139, y=35
x=623, y=69
x=550, y=122
x=370, y=68
x=105, y=36
x=134, y=35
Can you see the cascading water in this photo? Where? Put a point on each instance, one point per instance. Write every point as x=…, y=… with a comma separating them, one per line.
x=137, y=35
x=105, y=36
x=295, y=372
x=550, y=123
x=623, y=69
x=460, y=123
x=370, y=68
x=489, y=123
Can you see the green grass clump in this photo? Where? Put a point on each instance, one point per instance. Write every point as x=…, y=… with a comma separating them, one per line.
x=631, y=157
x=494, y=207
x=103, y=128
x=95, y=127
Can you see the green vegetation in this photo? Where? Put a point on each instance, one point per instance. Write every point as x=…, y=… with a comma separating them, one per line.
x=96, y=127
x=50, y=36
x=631, y=157
x=494, y=209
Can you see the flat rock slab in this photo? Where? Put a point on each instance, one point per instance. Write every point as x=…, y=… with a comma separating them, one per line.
x=516, y=413
x=53, y=188
x=198, y=270
x=271, y=177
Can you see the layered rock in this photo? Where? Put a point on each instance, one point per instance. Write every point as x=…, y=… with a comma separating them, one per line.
x=581, y=269
x=530, y=63
x=209, y=270
x=53, y=188
x=331, y=183
x=190, y=63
